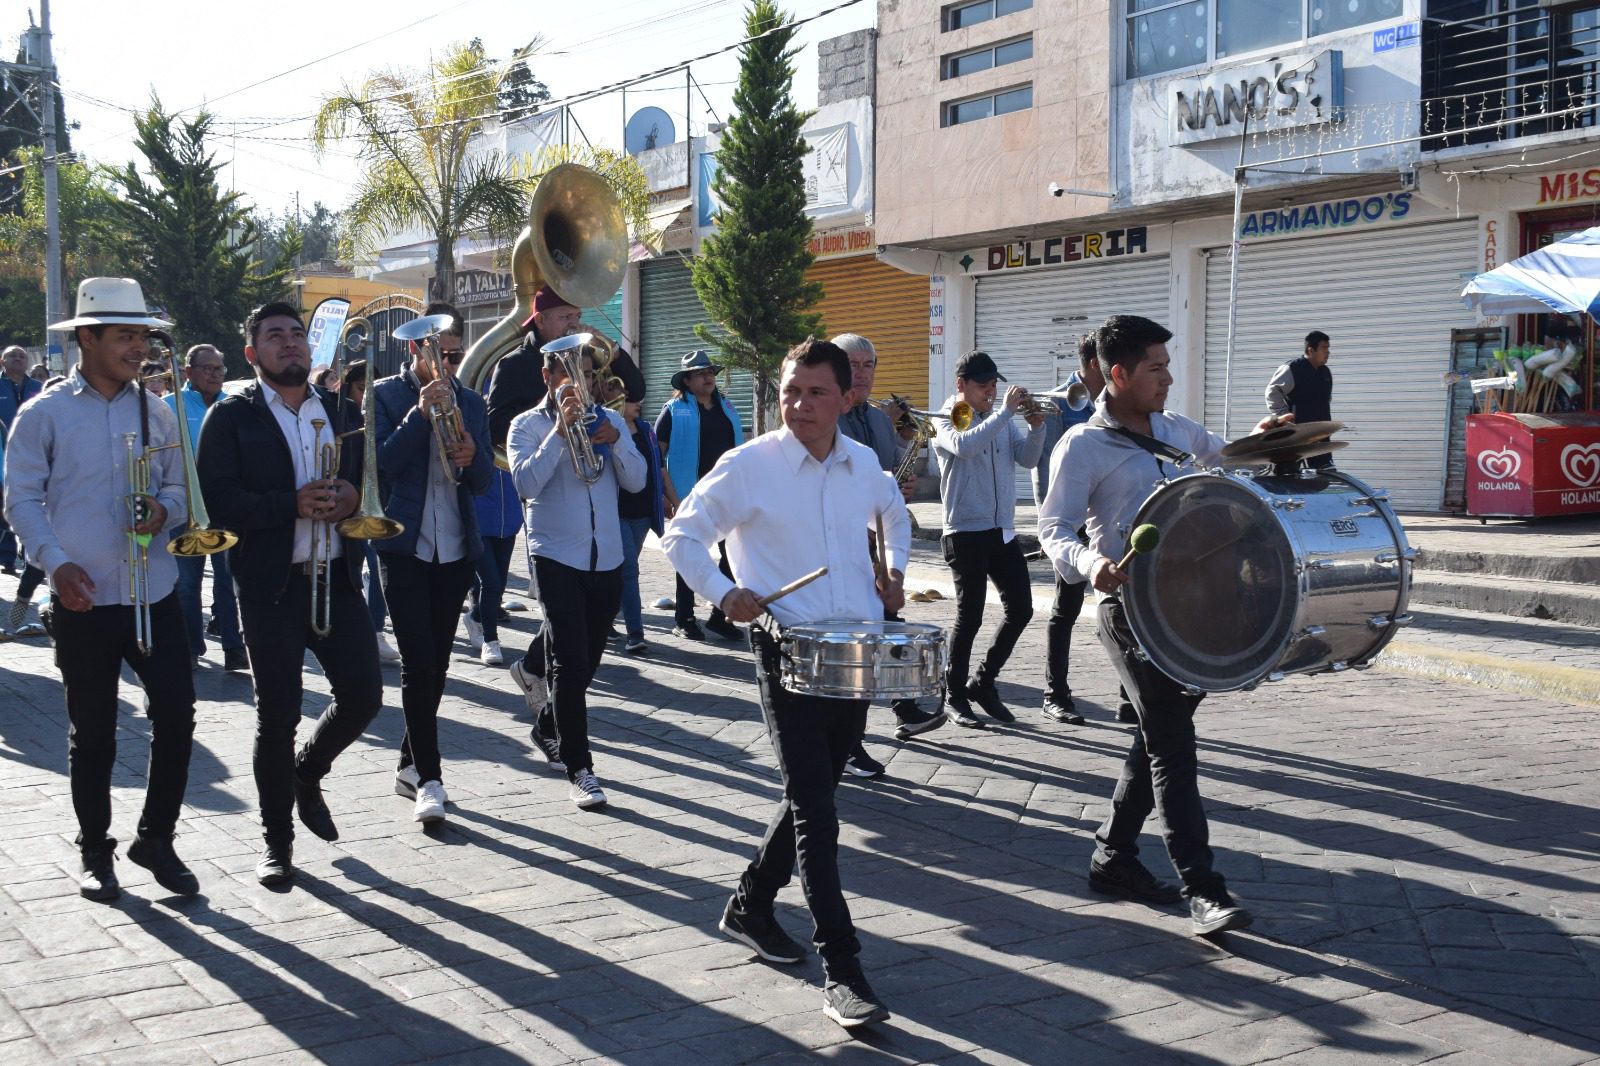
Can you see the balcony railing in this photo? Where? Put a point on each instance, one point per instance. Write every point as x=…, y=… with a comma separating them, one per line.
x=1492, y=71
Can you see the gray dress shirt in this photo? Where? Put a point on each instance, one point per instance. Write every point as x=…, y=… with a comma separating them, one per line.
x=66, y=484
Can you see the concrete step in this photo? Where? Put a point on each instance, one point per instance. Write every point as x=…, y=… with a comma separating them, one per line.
x=1550, y=659
x=1518, y=597
x=1530, y=565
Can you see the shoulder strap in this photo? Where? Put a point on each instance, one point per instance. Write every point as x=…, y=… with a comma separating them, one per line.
x=1158, y=448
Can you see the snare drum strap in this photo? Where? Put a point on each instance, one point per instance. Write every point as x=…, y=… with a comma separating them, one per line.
x=1158, y=448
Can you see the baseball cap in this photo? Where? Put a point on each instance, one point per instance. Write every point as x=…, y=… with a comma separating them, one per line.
x=977, y=366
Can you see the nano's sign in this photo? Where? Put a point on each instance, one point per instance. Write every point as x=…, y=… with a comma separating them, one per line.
x=1327, y=215
x=482, y=287
x=1278, y=94
x=1073, y=248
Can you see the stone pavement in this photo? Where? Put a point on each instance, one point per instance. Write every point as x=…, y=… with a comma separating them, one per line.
x=1422, y=859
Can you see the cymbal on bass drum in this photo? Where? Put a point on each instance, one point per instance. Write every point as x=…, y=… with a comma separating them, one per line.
x=1289, y=436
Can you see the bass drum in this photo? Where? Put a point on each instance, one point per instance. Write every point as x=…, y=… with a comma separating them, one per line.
x=1258, y=577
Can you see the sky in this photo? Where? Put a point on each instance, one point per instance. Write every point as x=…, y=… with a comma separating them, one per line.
x=262, y=68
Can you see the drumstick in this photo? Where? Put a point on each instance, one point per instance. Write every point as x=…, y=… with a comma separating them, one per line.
x=880, y=564
x=793, y=585
x=1144, y=539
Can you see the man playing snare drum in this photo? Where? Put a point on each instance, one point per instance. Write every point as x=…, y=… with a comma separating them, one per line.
x=788, y=503
x=1099, y=475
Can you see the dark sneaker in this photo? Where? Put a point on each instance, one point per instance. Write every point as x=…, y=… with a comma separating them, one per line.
x=156, y=855
x=926, y=723
x=860, y=764
x=236, y=660
x=313, y=809
x=851, y=1002
x=1061, y=709
x=97, y=880
x=725, y=629
x=1126, y=714
x=1129, y=879
x=961, y=709
x=761, y=934
x=635, y=644
x=988, y=697
x=276, y=865
x=689, y=630
x=1209, y=916
x=550, y=748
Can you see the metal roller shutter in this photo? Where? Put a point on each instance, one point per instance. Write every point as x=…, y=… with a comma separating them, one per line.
x=887, y=306
x=1389, y=300
x=1030, y=323
x=607, y=318
x=669, y=308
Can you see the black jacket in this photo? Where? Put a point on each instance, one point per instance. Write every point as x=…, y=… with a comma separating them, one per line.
x=247, y=478
x=518, y=384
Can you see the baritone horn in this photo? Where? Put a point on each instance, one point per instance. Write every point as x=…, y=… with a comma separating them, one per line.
x=570, y=350
x=198, y=538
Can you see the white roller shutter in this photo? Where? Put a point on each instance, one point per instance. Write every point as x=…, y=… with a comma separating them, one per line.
x=1030, y=323
x=1388, y=299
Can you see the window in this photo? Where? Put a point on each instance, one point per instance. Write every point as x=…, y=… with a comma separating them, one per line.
x=959, y=66
x=960, y=16
x=989, y=105
x=1168, y=35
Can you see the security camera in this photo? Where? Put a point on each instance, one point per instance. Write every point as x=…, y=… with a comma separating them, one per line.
x=1055, y=189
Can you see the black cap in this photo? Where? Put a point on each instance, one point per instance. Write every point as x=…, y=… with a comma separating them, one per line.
x=977, y=366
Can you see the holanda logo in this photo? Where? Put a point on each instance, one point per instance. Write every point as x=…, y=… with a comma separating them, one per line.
x=1580, y=462
x=1501, y=465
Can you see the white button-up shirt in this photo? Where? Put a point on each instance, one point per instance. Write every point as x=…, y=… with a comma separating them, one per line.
x=783, y=514
x=305, y=447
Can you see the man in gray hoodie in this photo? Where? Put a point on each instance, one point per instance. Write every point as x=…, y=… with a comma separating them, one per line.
x=977, y=482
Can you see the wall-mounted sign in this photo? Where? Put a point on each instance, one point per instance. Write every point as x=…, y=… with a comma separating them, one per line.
x=1277, y=94
x=482, y=287
x=1326, y=215
x=826, y=167
x=936, y=314
x=1405, y=35
x=1058, y=251
x=1569, y=187
x=836, y=244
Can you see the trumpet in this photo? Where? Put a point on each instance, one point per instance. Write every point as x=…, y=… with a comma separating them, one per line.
x=587, y=463
x=322, y=537
x=909, y=418
x=1075, y=394
x=448, y=429
x=198, y=538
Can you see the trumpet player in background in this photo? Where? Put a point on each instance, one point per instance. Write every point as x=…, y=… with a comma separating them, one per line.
x=433, y=458
x=866, y=423
x=575, y=544
x=90, y=519
x=261, y=458
x=979, y=447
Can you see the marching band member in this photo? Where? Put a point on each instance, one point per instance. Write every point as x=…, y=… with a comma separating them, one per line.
x=977, y=486
x=787, y=503
x=259, y=460
x=1099, y=475
x=429, y=567
x=575, y=541
x=69, y=496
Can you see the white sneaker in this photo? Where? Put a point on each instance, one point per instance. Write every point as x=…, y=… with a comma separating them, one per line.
x=474, y=632
x=430, y=803
x=490, y=655
x=534, y=689
x=585, y=791
x=387, y=653
x=406, y=782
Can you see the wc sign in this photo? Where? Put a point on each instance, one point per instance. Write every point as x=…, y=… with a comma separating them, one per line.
x=1405, y=35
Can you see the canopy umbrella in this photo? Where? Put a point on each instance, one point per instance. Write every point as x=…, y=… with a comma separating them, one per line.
x=1562, y=276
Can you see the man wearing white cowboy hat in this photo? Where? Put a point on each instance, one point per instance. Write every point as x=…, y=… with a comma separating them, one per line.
x=68, y=497
x=695, y=428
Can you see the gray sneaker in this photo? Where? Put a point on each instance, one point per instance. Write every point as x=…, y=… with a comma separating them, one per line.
x=534, y=689
x=1209, y=916
x=850, y=1001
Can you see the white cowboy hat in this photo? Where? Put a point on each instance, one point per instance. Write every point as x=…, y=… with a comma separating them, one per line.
x=111, y=302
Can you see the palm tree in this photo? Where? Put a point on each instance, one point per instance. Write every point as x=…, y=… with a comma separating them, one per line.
x=413, y=135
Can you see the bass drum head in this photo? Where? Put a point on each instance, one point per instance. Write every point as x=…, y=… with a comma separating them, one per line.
x=1214, y=604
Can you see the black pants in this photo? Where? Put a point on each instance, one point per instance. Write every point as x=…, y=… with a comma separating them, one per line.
x=578, y=608
x=91, y=647
x=1058, y=637
x=1162, y=767
x=683, y=602
x=812, y=736
x=976, y=558
x=278, y=634
x=424, y=608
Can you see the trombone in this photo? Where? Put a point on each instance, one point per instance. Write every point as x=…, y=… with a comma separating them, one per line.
x=138, y=500
x=199, y=538
x=587, y=463
x=448, y=429
x=322, y=537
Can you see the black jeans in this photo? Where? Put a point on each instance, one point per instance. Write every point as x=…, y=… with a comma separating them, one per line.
x=424, y=608
x=490, y=588
x=278, y=634
x=1162, y=767
x=1058, y=636
x=91, y=647
x=578, y=608
x=683, y=602
x=975, y=558
x=812, y=736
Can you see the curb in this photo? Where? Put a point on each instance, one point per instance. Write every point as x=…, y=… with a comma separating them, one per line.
x=1566, y=683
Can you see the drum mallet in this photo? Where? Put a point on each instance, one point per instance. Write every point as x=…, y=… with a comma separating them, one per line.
x=1144, y=539
x=799, y=583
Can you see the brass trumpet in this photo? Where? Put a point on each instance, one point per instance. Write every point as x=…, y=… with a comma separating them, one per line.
x=198, y=538
x=908, y=417
x=1076, y=395
x=448, y=429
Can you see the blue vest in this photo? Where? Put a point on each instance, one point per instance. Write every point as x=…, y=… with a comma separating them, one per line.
x=683, y=450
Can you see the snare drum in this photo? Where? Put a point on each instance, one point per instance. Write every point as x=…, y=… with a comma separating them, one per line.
x=864, y=660
x=1258, y=577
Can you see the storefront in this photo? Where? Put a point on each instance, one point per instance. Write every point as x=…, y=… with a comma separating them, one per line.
x=887, y=306
x=669, y=309
x=485, y=297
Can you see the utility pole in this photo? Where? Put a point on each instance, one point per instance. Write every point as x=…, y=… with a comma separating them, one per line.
x=52, y=213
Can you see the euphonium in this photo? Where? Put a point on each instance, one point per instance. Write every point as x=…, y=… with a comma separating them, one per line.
x=448, y=429
x=199, y=538
x=570, y=350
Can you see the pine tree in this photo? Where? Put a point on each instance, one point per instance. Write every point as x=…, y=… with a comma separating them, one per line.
x=751, y=273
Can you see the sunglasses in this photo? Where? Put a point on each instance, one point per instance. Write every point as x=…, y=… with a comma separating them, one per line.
x=453, y=356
